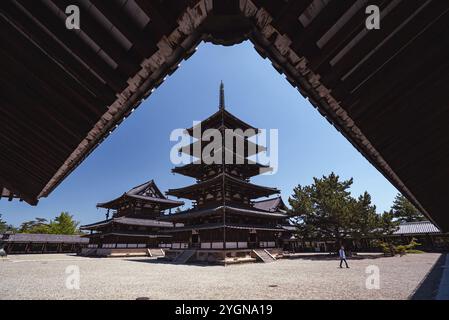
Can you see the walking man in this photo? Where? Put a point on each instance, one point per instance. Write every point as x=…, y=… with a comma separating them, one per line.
x=3, y=253
x=342, y=255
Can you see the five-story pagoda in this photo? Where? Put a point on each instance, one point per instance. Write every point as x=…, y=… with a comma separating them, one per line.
x=223, y=223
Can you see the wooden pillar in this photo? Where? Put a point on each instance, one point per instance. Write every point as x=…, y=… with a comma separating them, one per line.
x=429, y=240
x=224, y=238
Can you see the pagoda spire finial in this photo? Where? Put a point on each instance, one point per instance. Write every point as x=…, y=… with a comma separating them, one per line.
x=222, y=96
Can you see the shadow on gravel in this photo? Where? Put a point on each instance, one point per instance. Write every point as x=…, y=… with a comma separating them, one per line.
x=164, y=261
x=326, y=257
x=428, y=288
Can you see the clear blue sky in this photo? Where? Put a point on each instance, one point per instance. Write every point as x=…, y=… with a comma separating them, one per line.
x=139, y=149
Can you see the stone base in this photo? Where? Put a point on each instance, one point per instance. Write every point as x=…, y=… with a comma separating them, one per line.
x=126, y=252
x=221, y=256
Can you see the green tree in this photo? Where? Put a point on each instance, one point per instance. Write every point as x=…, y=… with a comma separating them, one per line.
x=364, y=219
x=387, y=223
x=404, y=211
x=3, y=225
x=39, y=225
x=64, y=224
x=367, y=222
x=323, y=209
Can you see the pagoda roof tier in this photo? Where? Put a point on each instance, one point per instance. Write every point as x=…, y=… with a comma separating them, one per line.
x=252, y=190
x=223, y=119
x=227, y=226
x=197, y=169
x=127, y=234
x=147, y=193
x=250, y=148
x=236, y=158
x=243, y=211
x=128, y=221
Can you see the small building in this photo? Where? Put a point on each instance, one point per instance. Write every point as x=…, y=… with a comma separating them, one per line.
x=271, y=205
x=287, y=241
x=26, y=243
x=132, y=223
x=425, y=232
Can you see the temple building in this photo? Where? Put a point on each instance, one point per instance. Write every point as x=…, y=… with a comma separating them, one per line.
x=288, y=240
x=132, y=225
x=225, y=223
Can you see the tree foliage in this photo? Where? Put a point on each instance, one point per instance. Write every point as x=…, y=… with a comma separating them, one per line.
x=39, y=225
x=62, y=224
x=404, y=211
x=326, y=209
x=364, y=219
x=323, y=208
x=387, y=224
x=390, y=249
x=5, y=227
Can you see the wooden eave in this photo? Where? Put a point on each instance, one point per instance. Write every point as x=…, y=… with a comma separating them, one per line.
x=384, y=90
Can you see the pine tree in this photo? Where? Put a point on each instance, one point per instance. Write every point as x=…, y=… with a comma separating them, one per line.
x=326, y=209
x=64, y=224
x=3, y=225
x=404, y=211
x=323, y=209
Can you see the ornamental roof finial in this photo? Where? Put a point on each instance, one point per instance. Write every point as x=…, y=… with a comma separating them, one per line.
x=222, y=96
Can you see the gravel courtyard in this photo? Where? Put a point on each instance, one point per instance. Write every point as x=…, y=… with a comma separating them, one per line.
x=44, y=277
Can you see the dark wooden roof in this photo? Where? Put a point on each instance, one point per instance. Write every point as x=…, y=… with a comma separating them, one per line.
x=197, y=170
x=252, y=190
x=289, y=227
x=271, y=205
x=147, y=192
x=249, y=149
x=218, y=210
x=5, y=193
x=141, y=222
x=64, y=91
x=148, y=188
x=416, y=228
x=128, y=234
x=223, y=119
x=385, y=90
x=212, y=226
